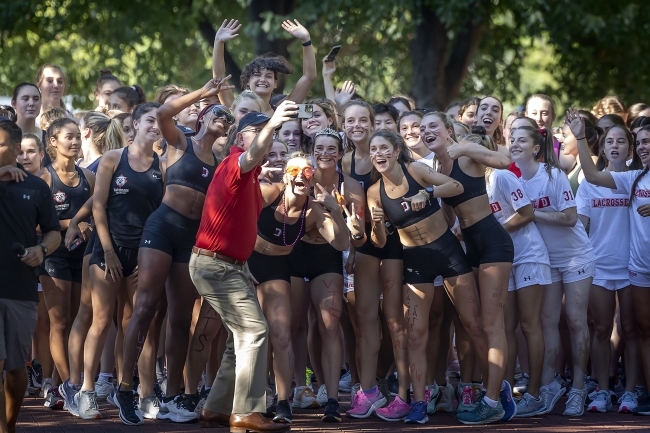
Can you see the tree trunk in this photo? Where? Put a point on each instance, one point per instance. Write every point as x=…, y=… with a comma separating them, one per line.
x=440, y=64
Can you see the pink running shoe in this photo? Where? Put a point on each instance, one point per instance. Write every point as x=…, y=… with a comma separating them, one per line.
x=366, y=404
x=395, y=411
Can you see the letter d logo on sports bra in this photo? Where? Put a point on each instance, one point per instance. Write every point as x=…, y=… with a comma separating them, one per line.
x=406, y=206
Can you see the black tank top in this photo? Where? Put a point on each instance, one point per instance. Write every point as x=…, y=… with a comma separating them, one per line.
x=398, y=211
x=67, y=202
x=190, y=171
x=473, y=186
x=133, y=196
x=364, y=179
x=273, y=231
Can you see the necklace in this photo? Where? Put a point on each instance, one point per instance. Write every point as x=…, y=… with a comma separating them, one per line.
x=71, y=176
x=284, y=222
x=398, y=183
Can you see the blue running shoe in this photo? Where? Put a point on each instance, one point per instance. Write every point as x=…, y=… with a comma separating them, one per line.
x=482, y=414
x=508, y=403
x=418, y=414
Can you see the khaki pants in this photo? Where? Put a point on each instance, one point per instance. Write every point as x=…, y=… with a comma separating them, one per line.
x=240, y=385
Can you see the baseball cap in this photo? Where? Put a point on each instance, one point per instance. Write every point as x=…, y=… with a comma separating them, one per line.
x=252, y=118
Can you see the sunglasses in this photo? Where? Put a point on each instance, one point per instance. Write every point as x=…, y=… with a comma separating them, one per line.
x=294, y=171
x=220, y=111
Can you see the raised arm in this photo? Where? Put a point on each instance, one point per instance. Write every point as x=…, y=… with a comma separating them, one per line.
x=309, y=74
x=264, y=140
x=577, y=125
x=227, y=31
x=479, y=154
x=328, y=70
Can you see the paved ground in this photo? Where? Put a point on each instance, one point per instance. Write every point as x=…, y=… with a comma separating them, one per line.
x=34, y=418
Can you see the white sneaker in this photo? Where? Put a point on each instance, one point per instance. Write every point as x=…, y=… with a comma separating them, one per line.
x=103, y=389
x=446, y=403
x=575, y=403
x=345, y=383
x=321, y=397
x=530, y=406
x=45, y=387
x=601, y=402
x=521, y=386
x=434, y=398
x=627, y=402
x=304, y=397
x=550, y=394
x=183, y=409
x=149, y=407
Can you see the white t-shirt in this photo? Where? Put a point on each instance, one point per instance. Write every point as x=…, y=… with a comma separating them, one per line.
x=609, y=229
x=506, y=197
x=639, y=226
x=567, y=246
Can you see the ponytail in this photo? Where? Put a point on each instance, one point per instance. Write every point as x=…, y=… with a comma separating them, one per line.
x=636, y=183
x=114, y=135
x=544, y=139
x=107, y=133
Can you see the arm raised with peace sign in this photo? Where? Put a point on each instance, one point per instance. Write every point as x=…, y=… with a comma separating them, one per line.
x=326, y=216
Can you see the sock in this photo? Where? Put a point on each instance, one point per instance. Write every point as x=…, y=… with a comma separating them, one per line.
x=105, y=377
x=371, y=391
x=490, y=402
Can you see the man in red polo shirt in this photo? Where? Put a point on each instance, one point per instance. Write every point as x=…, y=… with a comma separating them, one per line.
x=225, y=240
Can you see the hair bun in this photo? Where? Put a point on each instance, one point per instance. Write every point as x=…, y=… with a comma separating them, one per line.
x=105, y=71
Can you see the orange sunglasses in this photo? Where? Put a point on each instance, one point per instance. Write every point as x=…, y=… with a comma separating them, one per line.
x=308, y=171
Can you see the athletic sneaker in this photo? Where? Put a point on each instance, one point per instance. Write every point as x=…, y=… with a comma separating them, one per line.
x=575, y=403
x=627, y=403
x=86, y=402
x=303, y=398
x=453, y=368
x=600, y=402
x=550, y=394
x=35, y=374
x=45, y=387
x=149, y=407
x=111, y=397
x=393, y=385
x=128, y=409
x=382, y=385
x=418, y=413
x=619, y=390
x=367, y=403
x=521, y=385
x=68, y=392
x=642, y=409
x=530, y=406
x=332, y=413
x=183, y=408
x=395, y=411
x=446, y=403
x=165, y=404
x=590, y=385
x=483, y=413
x=432, y=398
x=465, y=399
x=353, y=394
x=321, y=397
x=53, y=399
x=158, y=390
x=345, y=383
x=507, y=401
x=103, y=389
x=283, y=412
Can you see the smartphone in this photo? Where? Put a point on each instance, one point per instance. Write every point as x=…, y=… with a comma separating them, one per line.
x=305, y=111
x=333, y=52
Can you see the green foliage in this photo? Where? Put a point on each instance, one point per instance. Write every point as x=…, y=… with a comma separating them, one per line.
x=576, y=50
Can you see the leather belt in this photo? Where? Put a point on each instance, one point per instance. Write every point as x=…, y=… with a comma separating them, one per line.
x=215, y=255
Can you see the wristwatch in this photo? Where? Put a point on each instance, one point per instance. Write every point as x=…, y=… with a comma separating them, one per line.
x=44, y=249
x=429, y=190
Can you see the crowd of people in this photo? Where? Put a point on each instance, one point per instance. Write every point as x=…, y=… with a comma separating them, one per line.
x=214, y=257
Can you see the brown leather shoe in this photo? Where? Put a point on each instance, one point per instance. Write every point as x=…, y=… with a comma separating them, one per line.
x=213, y=419
x=254, y=422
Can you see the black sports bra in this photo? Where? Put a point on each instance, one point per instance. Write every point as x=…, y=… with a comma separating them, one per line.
x=473, y=186
x=399, y=212
x=190, y=171
x=279, y=233
x=364, y=179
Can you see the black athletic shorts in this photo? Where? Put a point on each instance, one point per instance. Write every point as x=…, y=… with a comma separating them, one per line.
x=311, y=260
x=128, y=257
x=267, y=268
x=91, y=243
x=393, y=250
x=63, y=268
x=488, y=242
x=444, y=256
x=170, y=232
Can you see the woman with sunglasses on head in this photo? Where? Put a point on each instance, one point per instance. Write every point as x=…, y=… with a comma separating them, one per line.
x=377, y=271
x=490, y=252
x=407, y=195
x=289, y=213
x=635, y=183
x=315, y=260
x=606, y=214
x=572, y=261
x=165, y=249
x=261, y=75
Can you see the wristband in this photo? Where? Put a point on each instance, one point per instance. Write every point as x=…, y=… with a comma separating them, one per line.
x=306, y=44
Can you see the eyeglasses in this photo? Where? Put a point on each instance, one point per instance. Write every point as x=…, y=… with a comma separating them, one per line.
x=253, y=130
x=294, y=171
x=220, y=111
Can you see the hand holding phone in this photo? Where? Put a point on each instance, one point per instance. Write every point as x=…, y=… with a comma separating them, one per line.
x=332, y=54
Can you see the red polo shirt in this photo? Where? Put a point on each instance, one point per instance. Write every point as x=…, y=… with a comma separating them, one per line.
x=232, y=206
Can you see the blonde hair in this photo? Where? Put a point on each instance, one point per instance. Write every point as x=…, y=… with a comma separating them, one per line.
x=610, y=105
x=107, y=133
x=246, y=94
x=50, y=116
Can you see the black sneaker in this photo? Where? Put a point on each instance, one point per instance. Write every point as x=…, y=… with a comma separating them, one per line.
x=332, y=413
x=36, y=371
x=393, y=385
x=128, y=409
x=283, y=412
x=158, y=391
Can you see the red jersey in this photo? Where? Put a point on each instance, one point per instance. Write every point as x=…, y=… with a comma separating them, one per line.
x=232, y=206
